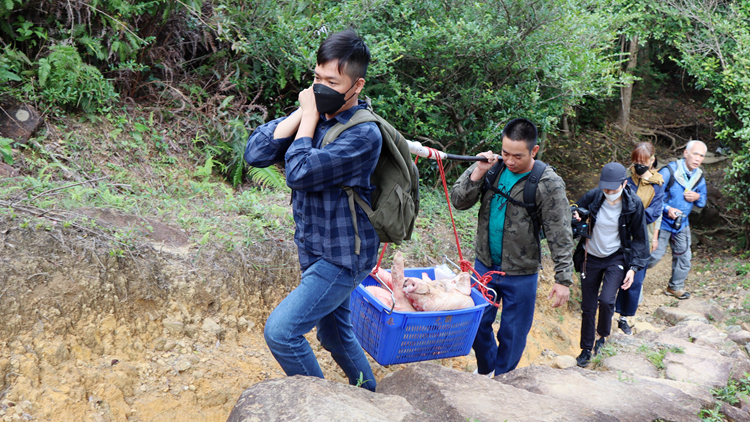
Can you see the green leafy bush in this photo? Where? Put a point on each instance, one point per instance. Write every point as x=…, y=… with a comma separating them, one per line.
x=5, y=150
x=446, y=73
x=9, y=68
x=713, y=41
x=68, y=82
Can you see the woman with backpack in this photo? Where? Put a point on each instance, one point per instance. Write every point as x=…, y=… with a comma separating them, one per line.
x=616, y=249
x=649, y=186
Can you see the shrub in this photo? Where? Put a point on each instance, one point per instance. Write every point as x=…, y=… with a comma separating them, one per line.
x=68, y=82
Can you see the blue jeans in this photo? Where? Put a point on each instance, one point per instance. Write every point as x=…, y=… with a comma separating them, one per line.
x=628, y=300
x=321, y=300
x=518, y=297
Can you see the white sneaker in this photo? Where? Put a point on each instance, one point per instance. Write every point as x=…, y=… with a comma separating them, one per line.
x=490, y=375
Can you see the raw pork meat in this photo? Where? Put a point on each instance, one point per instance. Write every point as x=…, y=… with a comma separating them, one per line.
x=439, y=295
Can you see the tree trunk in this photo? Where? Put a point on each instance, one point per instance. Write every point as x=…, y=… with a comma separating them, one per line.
x=566, y=126
x=626, y=92
x=542, y=142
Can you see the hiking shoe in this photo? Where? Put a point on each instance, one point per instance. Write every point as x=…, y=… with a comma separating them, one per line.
x=598, y=345
x=679, y=294
x=584, y=358
x=622, y=323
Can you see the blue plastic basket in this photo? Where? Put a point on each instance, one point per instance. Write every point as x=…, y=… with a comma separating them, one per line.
x=403, y=337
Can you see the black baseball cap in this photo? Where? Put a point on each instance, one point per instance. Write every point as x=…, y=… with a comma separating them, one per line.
x=613, y=174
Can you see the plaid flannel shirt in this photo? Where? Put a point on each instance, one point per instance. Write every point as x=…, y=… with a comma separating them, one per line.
x=324, y=228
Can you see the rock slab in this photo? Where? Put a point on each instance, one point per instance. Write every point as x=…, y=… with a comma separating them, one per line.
x=604, y=392
x=447, y=395
x=631, y=363
x=310, y=399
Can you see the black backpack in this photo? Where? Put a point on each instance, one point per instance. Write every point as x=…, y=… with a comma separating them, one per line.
x=529, y=194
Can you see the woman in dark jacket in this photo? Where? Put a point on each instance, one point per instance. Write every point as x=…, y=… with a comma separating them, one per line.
x=649, y=186
x=616, y=249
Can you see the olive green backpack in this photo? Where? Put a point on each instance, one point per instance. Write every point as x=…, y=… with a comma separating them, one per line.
x=395, y=201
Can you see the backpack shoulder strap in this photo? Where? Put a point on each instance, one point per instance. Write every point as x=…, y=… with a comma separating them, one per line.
x=700, y=179
x=529, y=194
x=529, y=190
x=490, y=178
x=360, y=116
x=671, y=177
x=529, y=198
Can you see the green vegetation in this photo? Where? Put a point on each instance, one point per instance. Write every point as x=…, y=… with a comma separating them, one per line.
x=713, y=44
x=6, y=152
x=656, y=354
x=197, y=203
x=609, y=349
x=232, y=65
x=68, y=82
x=196, y=76
x=733, y=391
x=712, y=415
x=657, y=357
x=742, y=270
x=361, y=380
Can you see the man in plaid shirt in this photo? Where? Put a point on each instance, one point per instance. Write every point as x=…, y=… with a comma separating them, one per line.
x=324, y=233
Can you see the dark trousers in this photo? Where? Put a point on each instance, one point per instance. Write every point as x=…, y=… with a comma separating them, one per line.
x=608, y=274
x=518, y=297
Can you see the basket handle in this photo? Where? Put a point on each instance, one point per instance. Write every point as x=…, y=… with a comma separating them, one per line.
x=382, y=283
x=445, y=259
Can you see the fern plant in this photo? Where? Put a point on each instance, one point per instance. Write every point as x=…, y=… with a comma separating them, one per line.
x=269, y=176
x=228, y=154
x=68, y=82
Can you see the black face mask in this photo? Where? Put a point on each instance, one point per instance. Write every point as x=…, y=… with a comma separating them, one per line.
x=328, y=100
x=640, y=169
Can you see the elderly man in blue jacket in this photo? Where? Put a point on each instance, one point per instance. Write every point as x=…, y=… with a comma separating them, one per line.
x=686, y=188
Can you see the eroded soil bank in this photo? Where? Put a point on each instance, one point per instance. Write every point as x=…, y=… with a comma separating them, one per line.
x=88, y=335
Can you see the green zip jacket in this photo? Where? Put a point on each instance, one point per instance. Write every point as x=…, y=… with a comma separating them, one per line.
x=520, y=247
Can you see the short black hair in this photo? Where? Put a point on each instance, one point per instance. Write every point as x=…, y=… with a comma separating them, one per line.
x=521, y=130
x=350, y=51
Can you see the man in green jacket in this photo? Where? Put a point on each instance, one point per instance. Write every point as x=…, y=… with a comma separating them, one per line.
x=506, y=242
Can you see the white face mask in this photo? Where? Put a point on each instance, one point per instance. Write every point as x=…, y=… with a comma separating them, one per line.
x=612, y=197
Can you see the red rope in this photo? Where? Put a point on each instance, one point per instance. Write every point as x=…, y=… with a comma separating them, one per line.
x=464, y=264
x=377, y=267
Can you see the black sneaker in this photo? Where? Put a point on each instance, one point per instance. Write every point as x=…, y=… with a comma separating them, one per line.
x=584, y=358
x=624, y=326
x=598, y=345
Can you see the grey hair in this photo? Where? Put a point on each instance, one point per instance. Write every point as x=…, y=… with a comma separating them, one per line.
x=693, y=143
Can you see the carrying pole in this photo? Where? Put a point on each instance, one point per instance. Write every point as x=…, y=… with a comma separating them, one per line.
x=417, y=149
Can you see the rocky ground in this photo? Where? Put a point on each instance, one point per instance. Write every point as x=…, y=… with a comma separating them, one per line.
x=88, y=335
x=677, y=373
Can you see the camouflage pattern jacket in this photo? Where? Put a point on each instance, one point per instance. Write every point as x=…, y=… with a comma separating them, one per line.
x=520, y=248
